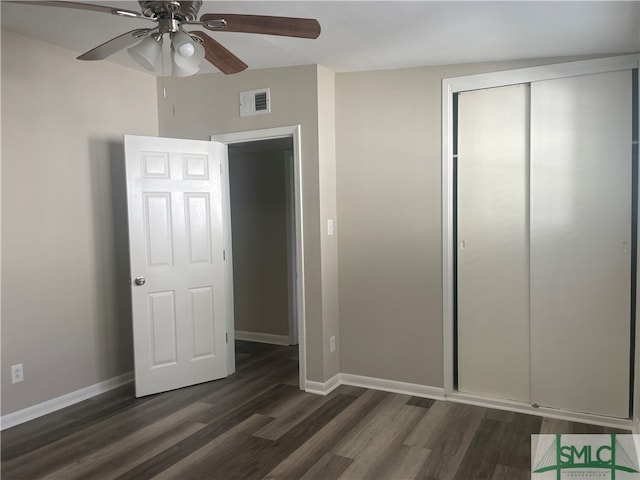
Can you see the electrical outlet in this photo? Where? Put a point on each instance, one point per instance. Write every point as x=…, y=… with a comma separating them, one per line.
x=17, y=373
x=332, y=343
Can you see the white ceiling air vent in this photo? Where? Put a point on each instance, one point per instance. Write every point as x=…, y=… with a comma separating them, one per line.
x=255, y=102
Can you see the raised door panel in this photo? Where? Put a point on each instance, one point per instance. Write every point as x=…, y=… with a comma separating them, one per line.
x=198, y=227
x=204, y=344
x=162, y=323
x=158, y=229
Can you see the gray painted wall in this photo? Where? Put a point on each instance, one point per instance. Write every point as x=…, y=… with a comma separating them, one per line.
x=208, y=104
x=65, y=295
x=259, y=228
x=388, y=155
x=328, y=210
x=66, y=308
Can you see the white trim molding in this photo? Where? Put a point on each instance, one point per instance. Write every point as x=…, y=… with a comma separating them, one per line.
x=437, y=393
x=323, y=388
x=262, y=337
x=393, y=386
x=373, y=383
x=294, y=132
x=542, y=72
x=58, y=403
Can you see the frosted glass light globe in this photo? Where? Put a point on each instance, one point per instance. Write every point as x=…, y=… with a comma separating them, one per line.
x=186, y=50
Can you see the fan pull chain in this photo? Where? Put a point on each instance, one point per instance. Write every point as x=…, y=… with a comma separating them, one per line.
x=164, y=87
x=173, y=89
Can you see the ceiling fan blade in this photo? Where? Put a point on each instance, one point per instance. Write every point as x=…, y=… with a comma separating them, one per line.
x=112, y=46
x=284, y=26
x=219, y=56
x=123, y=12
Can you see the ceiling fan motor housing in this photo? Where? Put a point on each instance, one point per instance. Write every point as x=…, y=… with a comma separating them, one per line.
x=179, y=10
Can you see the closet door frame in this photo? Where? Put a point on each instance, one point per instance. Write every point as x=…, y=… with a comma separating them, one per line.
x=450, y=87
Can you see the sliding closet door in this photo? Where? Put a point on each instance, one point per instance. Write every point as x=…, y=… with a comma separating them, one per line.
x=581, y=242
x=493, y=245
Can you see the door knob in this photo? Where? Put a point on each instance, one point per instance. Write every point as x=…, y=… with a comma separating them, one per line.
x=140, y=281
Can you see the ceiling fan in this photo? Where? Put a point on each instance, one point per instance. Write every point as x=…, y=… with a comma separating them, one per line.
x=188, y=48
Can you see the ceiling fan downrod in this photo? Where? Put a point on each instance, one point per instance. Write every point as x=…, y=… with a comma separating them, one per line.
x=170, y=14
x=180, y=10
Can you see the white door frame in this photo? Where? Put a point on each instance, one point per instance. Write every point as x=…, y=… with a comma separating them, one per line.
x=450, y=86
x=292, y=132
x=290, y=196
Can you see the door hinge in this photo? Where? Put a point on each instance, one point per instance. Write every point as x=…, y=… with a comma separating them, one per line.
x=227, y=337
x=224, y=255
x=220, y=169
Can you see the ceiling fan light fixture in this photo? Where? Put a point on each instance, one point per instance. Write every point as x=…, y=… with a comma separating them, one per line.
x=147, y=52
x=183, y=70
x=194, y=50
x=183, y=44
x=186, y=50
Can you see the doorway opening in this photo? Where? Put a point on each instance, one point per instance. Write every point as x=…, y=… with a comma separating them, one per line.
x=263, y=241
x=262, y=237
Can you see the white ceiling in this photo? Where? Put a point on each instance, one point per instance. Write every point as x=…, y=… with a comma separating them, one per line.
x=372, y=35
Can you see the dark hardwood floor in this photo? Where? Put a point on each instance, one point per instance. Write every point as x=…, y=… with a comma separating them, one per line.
x=258, y=424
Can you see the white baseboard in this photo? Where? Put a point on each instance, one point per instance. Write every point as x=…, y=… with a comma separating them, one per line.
x=320, y=388
x=262, y=337
x=35, y=411
x=636, y=426
x=437, y=393
x=324, y=388
x=393, y=386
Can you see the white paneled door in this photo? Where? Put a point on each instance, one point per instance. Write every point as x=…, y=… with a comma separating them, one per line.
x=177, y=274
x=581, y=242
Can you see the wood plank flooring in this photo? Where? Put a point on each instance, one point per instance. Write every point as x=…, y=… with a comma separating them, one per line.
x=257, y=424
